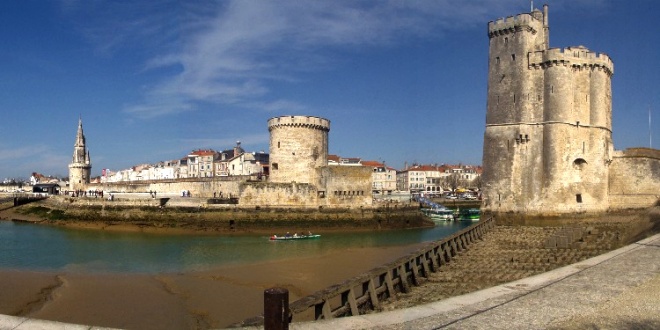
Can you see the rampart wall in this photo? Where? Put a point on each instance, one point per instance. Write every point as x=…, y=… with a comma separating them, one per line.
x=278, y=194
x=340, y=186
x=347, y=185
x=634, y=178
x=198, y=187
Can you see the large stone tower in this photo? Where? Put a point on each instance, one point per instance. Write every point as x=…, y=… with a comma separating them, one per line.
x=81, y=167
x=298, y=148
x=547, y=143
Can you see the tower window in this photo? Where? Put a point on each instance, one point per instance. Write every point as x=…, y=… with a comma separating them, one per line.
x=497, y=60
x=578, y=198
x=513, y=57
x=579, y=164
x=506, y=40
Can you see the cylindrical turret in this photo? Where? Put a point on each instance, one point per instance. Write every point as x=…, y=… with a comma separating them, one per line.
x=298, y=146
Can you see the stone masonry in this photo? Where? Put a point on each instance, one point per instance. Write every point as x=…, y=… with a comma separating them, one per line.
x=548, y=141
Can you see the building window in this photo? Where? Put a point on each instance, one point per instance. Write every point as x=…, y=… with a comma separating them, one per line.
x=274, y=165
x=578, y=198
x=513, y=57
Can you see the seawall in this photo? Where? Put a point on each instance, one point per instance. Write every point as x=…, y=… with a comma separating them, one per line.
x=197, y=215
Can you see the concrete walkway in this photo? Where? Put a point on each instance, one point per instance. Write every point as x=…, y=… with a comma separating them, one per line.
x=616, y=290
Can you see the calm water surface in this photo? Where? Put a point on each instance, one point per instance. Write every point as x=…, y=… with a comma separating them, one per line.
x=27, y=246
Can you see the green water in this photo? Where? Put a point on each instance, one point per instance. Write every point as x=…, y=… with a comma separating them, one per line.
x=25, y=246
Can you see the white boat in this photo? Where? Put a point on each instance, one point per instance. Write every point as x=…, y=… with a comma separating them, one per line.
x=439, y=213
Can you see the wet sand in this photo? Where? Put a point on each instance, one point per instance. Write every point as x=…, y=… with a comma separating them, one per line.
x=199, y=300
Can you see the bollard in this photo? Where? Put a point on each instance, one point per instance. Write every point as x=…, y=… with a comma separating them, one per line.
x=276, y=309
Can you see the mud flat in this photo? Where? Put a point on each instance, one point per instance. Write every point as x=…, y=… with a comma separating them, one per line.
x=199, y=300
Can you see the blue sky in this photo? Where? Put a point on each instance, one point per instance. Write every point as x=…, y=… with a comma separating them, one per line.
x=400, y=81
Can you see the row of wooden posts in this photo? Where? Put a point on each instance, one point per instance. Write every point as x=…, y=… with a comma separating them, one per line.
x=364, y=293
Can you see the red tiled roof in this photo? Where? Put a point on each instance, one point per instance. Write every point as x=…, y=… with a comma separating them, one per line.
x=371, y=163
x=208, y=152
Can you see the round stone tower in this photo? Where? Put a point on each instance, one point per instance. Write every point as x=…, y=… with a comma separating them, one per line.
x=298, y=146
x=81, y=166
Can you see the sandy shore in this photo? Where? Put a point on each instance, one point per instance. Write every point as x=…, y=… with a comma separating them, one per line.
x=200, y=300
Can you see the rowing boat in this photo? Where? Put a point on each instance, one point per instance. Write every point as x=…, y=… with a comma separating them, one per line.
x=296, y=237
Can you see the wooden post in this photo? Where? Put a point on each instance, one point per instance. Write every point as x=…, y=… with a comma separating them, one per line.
x=276, y=309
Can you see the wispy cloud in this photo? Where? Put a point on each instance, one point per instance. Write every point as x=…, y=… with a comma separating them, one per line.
x=231, y=52
x=36, y=158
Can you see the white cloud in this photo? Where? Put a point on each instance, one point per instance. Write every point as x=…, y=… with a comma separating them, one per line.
x=20, y=162
x=231, y=52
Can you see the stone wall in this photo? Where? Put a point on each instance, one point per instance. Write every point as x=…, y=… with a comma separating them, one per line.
x=634, y=178
x=340, y=186
x=278, y=194
x=184, y=213
x=198, y=187
x=347, y=185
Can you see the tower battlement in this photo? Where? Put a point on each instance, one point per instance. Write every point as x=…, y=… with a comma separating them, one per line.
x=571, y=56
x=527, y=21
x=299, y=121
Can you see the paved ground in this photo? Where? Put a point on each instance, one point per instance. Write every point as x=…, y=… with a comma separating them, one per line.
x=616, y=290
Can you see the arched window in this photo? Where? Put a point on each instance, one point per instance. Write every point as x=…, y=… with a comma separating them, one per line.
x=579, y=164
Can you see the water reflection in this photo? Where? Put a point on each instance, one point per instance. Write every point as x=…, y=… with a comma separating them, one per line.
x=35, y=247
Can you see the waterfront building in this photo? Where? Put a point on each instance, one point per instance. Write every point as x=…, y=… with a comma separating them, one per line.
x=200, y=163
x=80, y=167
x=383, y=177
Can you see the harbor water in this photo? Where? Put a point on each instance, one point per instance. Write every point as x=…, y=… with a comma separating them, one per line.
x=26, y=246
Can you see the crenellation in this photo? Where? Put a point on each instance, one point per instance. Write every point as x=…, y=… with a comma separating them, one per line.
x=300, y=121
x=571, y=56
x=512, y=24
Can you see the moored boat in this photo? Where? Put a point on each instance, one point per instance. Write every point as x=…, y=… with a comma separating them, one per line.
x=439, y=214
x=468, y=215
